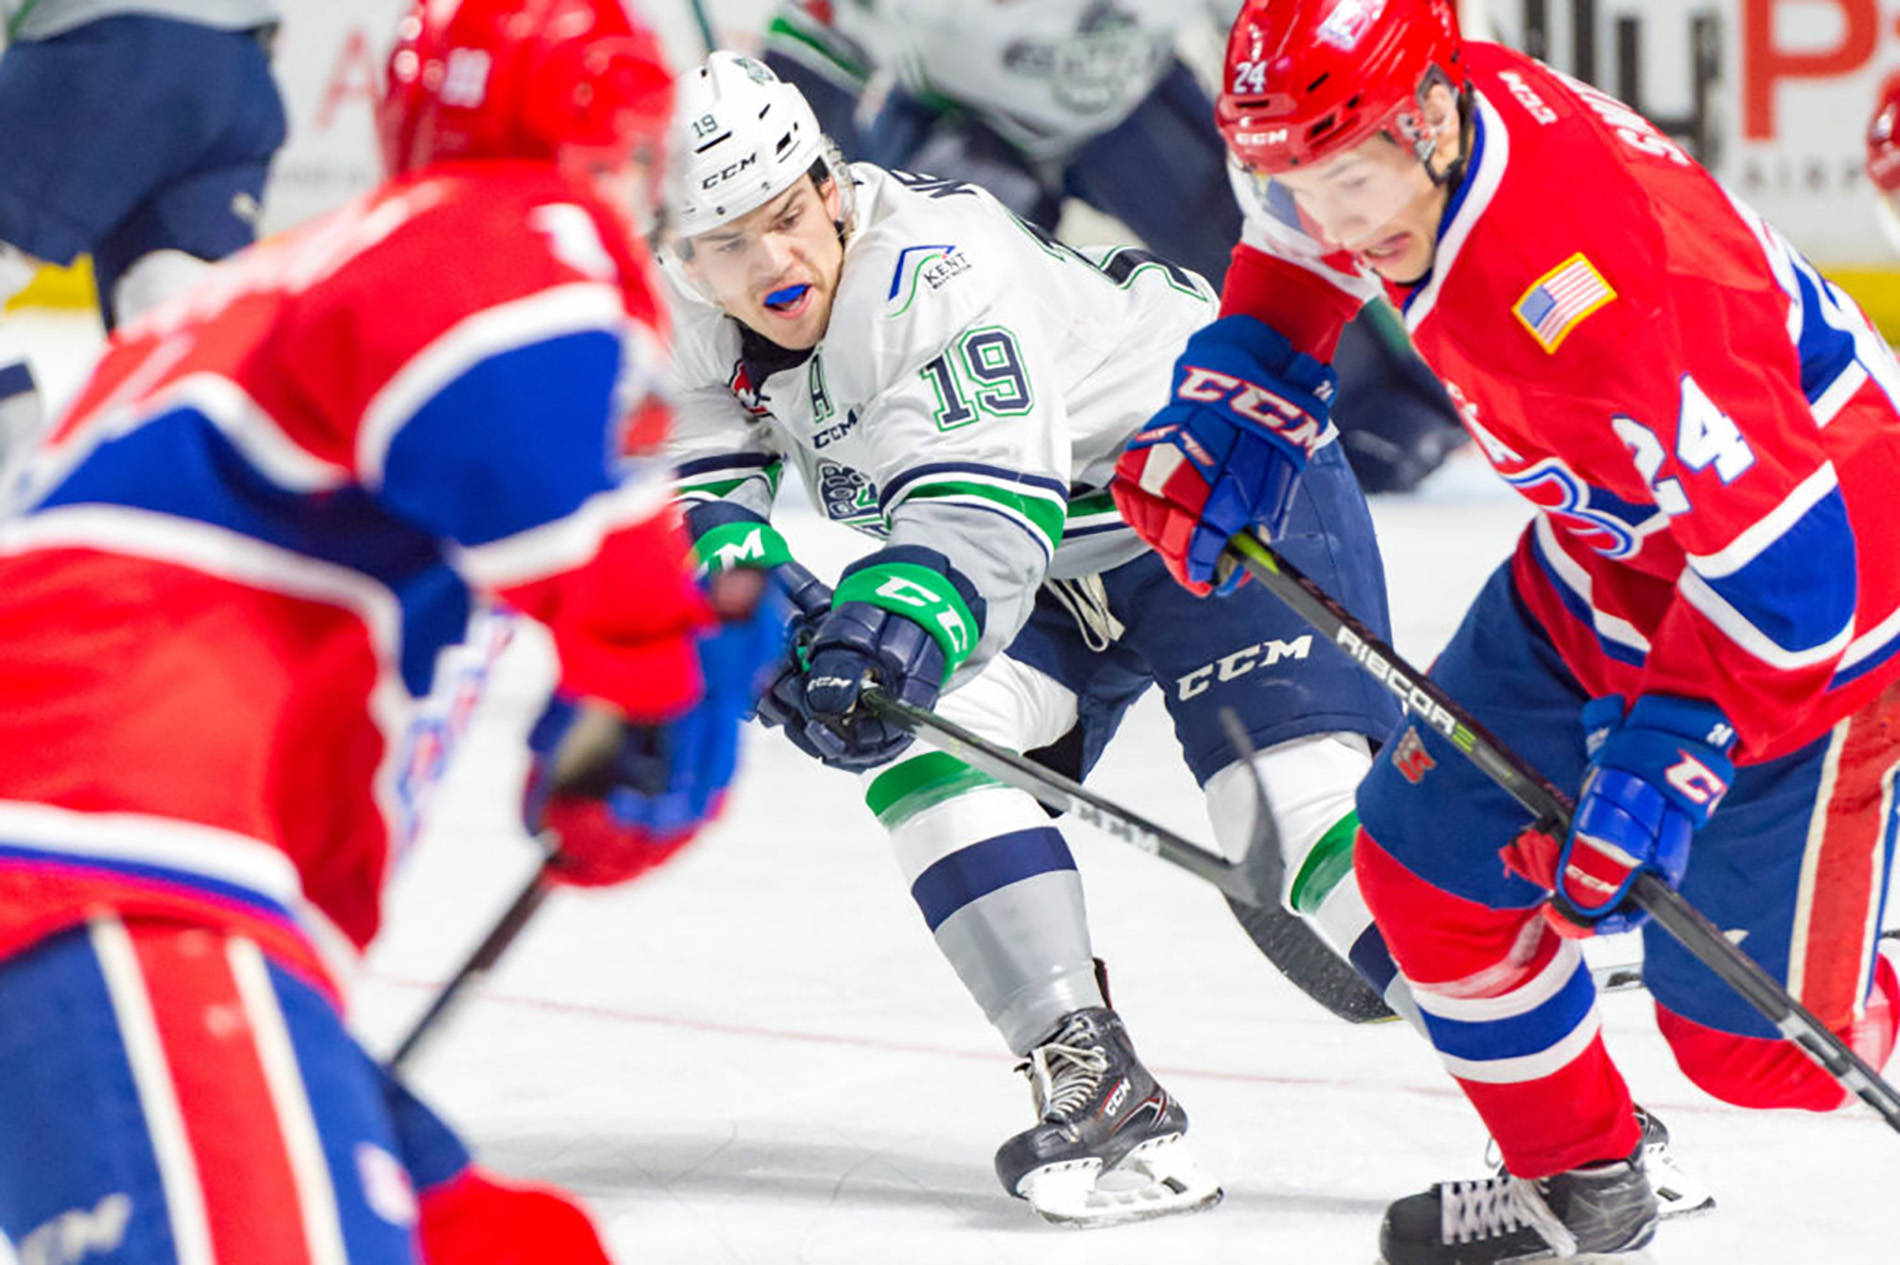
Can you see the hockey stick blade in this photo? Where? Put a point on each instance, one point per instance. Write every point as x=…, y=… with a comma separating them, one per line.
x=1254, y=879
x=1552, y=810
x=1282, y=936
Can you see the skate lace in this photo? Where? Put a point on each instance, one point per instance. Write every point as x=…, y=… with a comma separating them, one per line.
x=1495, y=1206
x=1063, y=1077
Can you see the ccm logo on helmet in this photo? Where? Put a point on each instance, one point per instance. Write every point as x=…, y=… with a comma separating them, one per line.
x=728, y=172
x=1277, y=136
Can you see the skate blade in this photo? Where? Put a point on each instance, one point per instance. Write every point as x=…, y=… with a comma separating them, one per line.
x=1677, y=1193
x=1157, y=1179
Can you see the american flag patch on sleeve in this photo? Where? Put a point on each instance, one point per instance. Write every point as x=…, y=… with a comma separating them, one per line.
x=1559, y=300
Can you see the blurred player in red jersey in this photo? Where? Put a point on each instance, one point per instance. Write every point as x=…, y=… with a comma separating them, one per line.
x=228, y=575
x=1704, y=612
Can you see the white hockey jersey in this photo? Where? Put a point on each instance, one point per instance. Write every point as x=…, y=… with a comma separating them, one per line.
x=1047, y=75
x=973, y=390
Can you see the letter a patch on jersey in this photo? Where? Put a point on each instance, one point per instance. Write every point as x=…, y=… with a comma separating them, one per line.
x=1558, y=301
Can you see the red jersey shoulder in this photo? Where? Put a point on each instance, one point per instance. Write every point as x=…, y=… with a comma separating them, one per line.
x=1570, y=248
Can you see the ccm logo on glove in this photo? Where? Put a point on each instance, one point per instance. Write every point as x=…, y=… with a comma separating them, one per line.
x=1697, y=781
x=1256, y=404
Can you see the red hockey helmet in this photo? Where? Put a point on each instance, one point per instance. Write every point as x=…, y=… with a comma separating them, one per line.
x=559, y=80
x=1307, y=80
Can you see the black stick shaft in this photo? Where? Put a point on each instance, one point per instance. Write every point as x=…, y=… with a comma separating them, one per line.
x=1255, y=879
x=513, y=919
x=1552, y=809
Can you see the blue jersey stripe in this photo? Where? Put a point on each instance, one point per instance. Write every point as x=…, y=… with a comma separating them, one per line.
x=1801, y=590
x=1826, y=352
x=1582, y=611
x=549, y=406
x=938, y=469
x=206, y=480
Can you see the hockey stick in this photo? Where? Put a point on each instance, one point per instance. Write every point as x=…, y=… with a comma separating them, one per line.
x=1552, y=810
x=1254, y=879
x=513, y=919
x=1282, y=936
x=704, y=23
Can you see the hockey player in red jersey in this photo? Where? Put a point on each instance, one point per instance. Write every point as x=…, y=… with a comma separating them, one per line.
x=1699, y=629
x=225, y=580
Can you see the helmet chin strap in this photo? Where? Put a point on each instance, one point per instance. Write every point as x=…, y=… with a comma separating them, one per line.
x=1454, y=171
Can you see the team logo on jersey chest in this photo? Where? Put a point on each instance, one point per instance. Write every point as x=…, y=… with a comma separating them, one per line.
x=1599, y=518
x=848, y=495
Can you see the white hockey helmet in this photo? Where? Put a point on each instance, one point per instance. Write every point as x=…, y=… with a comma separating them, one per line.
x=740, y=137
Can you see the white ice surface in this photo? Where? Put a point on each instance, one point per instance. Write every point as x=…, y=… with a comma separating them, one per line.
x=756, y=1055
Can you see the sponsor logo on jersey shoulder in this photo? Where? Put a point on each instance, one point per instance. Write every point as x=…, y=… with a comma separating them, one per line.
x=924, y=266
x=1558, y=301
x=1527, y=97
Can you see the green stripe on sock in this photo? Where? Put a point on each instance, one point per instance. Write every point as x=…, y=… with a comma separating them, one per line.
x=906, y=789
x=1328, y=863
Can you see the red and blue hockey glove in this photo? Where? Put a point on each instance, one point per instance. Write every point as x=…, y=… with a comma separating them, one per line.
x=1655, y=776
x=1225, y=454
x=645, y=789
x=902, y=619
x=465, y=1215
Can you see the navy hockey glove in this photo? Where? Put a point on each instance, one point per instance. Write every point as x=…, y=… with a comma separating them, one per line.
x=1225, y=454
x=639, y=792
x=781, y=705
x=902, y=619
x=1655, y=776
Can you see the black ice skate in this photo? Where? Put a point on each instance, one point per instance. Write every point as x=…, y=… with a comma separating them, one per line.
x=1109, y=1146
x=1678, y=1194
x=1600, y=1212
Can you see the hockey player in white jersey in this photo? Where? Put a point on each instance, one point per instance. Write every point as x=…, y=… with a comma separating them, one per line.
x=959, y=385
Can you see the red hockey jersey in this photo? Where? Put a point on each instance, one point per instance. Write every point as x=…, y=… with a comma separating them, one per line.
x=1707, y=426
x=277, y=500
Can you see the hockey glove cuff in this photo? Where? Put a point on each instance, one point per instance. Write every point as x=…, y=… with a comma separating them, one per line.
x=1225, y=454
x=1655, y=776
x=902, y=619
x=727, y=536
